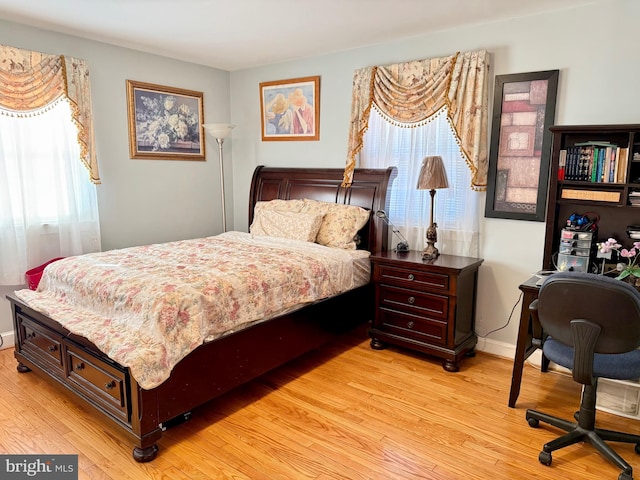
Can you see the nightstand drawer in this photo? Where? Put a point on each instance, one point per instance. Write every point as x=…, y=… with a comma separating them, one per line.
x=412, y=278
x=413, y=326
x=414, y=302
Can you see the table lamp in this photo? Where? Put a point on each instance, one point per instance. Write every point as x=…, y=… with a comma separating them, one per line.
x=432, y=176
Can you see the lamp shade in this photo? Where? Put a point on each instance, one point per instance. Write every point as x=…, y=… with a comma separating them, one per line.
x=432, y=174
x=218, y=130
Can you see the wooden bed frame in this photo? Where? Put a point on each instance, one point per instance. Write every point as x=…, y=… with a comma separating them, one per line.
x=44, y=346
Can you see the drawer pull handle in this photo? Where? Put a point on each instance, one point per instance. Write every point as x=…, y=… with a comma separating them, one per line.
x=110, y=386
x=411, y=277
x=409, y=324
x=53, y=348
x=412, y=300
x=31, y=335
x=80, y=366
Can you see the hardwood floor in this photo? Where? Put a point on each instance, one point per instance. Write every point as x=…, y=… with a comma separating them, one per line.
x=344, y=411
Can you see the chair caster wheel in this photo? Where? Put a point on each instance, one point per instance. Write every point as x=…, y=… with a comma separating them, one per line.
x=637, y=448
x=545, y=458
x=625, y=476
x=533, y=422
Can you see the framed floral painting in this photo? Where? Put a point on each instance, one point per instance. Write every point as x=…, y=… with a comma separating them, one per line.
x=290, y=109
x=164, y=122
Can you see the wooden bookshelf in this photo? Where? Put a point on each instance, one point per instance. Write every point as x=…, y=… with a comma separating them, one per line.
x=607, y=199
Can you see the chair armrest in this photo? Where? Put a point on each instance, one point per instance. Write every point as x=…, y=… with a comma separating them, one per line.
x=536, y=329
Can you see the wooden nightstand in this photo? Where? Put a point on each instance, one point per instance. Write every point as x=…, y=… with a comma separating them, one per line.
x=428, y=306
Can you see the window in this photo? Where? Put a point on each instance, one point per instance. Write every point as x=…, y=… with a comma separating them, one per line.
x=456, y=208
x=48, y=205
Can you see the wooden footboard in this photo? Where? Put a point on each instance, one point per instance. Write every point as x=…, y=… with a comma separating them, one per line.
x=44, y=346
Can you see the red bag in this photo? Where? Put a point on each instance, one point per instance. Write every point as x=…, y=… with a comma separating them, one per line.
x=34, y=275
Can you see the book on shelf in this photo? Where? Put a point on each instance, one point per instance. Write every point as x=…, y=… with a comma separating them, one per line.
x=597, y=143
x=634, y=198
x=594, y=162
x=592, y=195
x=623, y=162
x=562, y=162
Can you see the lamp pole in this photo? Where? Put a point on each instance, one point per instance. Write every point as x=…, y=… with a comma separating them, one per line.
x=220, y=131
x=220, y=141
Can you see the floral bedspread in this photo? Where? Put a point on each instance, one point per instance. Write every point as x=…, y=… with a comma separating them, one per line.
x=148, y=307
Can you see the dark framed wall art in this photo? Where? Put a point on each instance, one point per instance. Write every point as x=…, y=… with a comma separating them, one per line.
x=520, y=152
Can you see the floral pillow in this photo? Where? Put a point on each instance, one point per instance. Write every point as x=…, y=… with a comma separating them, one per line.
x=279, y=205
x=282, y=224
x=340, y=223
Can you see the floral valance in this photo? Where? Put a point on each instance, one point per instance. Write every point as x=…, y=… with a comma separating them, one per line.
x=409, y=94
x=30, y=81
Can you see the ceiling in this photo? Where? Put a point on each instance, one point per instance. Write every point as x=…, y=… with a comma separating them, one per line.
x=238, y=34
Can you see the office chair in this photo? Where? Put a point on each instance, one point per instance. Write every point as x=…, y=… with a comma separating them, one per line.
x=593, y=328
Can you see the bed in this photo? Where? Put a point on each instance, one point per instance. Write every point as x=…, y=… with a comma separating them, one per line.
x=44, y=346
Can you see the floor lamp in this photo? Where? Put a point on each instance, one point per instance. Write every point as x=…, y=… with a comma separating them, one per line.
x=220, y=131
x=432, y=176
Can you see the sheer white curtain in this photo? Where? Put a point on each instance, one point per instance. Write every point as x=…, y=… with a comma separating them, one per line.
x=456, y=208
x=48, y=205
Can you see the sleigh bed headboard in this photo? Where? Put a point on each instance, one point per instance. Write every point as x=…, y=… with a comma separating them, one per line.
x=368, y=190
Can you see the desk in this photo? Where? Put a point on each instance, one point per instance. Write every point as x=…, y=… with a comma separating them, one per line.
x=529, y=338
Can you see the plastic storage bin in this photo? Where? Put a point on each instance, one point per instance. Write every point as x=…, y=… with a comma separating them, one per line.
x=34, y=275
x=572, y=263
x=620, y=397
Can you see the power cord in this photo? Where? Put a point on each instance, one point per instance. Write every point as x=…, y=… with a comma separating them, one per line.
x=508, y=319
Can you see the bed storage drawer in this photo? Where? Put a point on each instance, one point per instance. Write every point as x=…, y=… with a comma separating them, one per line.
x=40, y=344
x=104, y=384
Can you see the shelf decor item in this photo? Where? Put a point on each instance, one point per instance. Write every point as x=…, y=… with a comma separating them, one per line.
x=630, y=270
x=520, y=153
x=164, y=122
x=290, y=109
x=432, y=176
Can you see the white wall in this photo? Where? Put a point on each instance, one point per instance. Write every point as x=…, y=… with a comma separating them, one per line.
x=141, y=201
x=592, y=46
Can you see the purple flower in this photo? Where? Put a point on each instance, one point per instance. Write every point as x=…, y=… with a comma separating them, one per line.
x=631, y=255
x=611, y=244
x=628, y=253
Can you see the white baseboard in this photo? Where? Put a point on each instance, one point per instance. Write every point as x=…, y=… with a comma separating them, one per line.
x=507, y=350
x=494, y=347
x=8, y=340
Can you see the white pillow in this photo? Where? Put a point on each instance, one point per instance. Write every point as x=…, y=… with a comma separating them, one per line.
x=340, y=223
x=291, y=225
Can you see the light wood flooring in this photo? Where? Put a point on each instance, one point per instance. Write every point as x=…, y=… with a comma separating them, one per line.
x=342, y=412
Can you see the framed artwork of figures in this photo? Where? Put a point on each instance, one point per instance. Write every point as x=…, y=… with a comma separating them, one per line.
x=290, y=109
